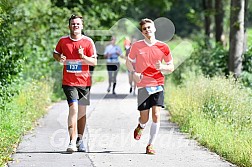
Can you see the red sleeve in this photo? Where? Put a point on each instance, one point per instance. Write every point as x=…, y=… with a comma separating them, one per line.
x=58, y=48
x=91, y=51
x=132, y=53
x=167, y=55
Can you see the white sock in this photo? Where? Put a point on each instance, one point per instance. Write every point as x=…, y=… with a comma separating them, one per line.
x=153, y=132
x=80, y=136
x=142, y=125
x=73, y=142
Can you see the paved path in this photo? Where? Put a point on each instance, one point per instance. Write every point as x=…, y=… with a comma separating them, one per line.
x=109, y=138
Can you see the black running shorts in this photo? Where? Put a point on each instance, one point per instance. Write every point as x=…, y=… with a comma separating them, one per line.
x=113, y=66
x=146, y=101
x=78, y=94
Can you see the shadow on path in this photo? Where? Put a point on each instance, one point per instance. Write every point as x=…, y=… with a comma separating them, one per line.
x=65, y=152
x=96, y=96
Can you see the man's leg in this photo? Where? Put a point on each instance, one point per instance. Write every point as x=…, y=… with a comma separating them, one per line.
x=134, y=90
x=72, y=96
x=143, y=119
x=84, y=94
x=144, y=109
x=155, y=124
x=154, y=129
x=109, y=77
x=72, y=120
x=109, y=80
x=115, y=71
x=81, y=128
x=72, y=125
x=114, y=81
x=81, y=120
x=130, y=81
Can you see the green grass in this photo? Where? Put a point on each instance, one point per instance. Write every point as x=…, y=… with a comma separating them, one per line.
x=218, y=113
x=20, y=115
x=249, y=31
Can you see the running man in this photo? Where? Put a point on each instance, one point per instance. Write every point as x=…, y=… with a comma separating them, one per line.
x=77, y=52
x=147, y=55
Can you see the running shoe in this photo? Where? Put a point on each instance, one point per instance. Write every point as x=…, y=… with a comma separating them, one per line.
x=138, y=132
x=71, y=147
x=150, y=150
x=108, y=90
x=80, y=146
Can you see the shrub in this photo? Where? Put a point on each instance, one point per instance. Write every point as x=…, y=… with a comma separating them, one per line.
x=218, y=113
x=19, y=115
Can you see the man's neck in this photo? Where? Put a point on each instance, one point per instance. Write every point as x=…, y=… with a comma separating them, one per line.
x=76, y=36
x=151, y=40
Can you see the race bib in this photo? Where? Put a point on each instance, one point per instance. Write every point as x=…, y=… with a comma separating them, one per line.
x=154, y=89
x=73, y=66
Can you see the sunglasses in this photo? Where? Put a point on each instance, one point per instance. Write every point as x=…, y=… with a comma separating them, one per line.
x=145, y=28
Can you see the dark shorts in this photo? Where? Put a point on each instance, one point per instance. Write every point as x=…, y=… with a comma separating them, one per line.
x=113, y=66
x=146, y=101
x=80, y=94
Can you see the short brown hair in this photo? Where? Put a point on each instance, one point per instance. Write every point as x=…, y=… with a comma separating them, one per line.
x=144, y=21
x=74, y=17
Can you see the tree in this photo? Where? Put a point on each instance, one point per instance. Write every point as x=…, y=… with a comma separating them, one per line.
x=236, y=36
x=10, y=54
x=207, y=7
x=219, y=18
x=246, y=20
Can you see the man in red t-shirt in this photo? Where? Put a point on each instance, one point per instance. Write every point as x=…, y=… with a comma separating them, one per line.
x=77, y=52
x=147, y=56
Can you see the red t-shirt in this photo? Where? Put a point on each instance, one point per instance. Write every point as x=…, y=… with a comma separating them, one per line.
x=145, y=57
x=75, y=71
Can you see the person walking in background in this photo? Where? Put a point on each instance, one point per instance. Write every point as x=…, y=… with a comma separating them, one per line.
x=127, y=46
x=77, y=52
x=126, y=43
x=148, y=55
x=112, y=52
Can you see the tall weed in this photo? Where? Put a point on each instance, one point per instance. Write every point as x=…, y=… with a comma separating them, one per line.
x=218, y=113
x=19, y=115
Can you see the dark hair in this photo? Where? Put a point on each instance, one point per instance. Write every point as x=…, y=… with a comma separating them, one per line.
x=74, y=17
x=144, y=21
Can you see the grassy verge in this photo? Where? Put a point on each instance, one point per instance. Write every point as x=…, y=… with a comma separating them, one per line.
x=218, y=113
x=249, y=32
x=20, y=115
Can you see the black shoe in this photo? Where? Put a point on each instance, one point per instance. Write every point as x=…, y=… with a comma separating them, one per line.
x=130, y=89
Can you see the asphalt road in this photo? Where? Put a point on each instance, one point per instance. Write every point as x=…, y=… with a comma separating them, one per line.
x=109, y=137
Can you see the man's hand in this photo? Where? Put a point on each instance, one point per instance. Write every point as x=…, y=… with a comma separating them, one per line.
x=159, y=65
x=137, y=77
x=164, y=68
x=81, y=52
x=62, y=58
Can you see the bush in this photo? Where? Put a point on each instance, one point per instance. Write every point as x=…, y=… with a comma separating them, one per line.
x=247, y=61
x=11, y=55
x=19, y=115
x=218, y=113
x=246, y=75
x=213, y=62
